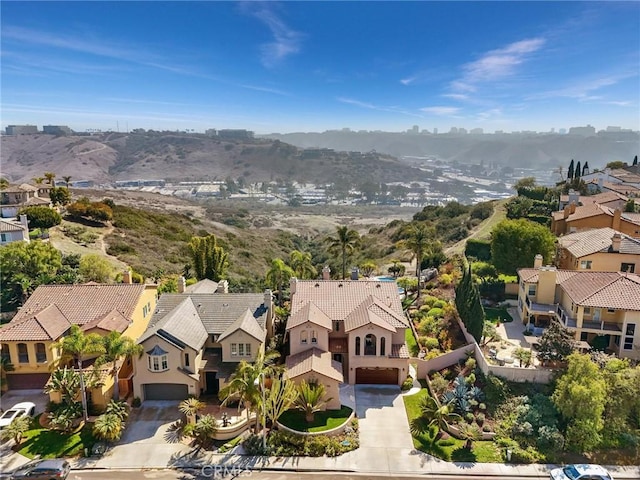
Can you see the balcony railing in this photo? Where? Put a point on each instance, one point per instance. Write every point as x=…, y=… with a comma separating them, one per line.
x=565, y=317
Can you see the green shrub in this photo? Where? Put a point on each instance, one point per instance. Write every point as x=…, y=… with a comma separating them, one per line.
x=430, y=343
x=439, y=384
x=436, y=313
x=428, y=302
x=428, y=326
x=469, y=418
x=445, y=279
x=407, y=384
x=439, y=304
x=480, y=418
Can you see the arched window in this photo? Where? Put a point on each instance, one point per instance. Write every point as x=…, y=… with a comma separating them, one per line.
x=357, y=345
x=23, y=353
x=370, y=344
x=383, y=342
x=41, y=353
x=6, y=354
x=314, y=337
x=304, y=336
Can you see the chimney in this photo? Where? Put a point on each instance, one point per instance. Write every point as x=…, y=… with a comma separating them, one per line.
x=569, y=209
x=182, y=284
x=126, y=276
x=537, y=262
x=547, y=277
x=326, y=273
x=574, y=197
x=600, y=183
x=617, y=214
x=24, y=222
x=615, y=242
x=355, y=273
x=293, y=281
x=223, y=287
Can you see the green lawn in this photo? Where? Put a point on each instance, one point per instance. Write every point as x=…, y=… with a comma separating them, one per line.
x=412, y=344
x=322, y=421
x=53, y=444
x=450, y=449
x=493, y=314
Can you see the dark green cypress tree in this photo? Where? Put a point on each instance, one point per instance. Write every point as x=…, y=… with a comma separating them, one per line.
x=576, y=174
x=570, y=171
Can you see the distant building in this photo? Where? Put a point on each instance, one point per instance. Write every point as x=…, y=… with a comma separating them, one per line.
x=587, y=131
x=235, y=134
x=56, y=130
x=476, y=131
x=13, y=230
x=21, y=129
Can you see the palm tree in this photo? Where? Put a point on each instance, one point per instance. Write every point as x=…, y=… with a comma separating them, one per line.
x=5, y=366
x=345, y=242
x=417, y=244
x=204, y=430
x=108, y=426
x=16, y=429
x=38, y=180
x=51, y=178
x=77, y=347
x=66, y=382
x=433, y=414
x=116, y=346
x=469, y=433
x=302, y=265
x=67, y=179
x=244, y=383
x=311, y=399
x=4, y=183
x=282, y=394
x=278, y=275
x=191, y=407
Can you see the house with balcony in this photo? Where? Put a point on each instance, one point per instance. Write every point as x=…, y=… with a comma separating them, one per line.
x=600, y=250
x=47, y=316
x=347, y=330
x=197, y=338
x=577, y=218
x=600, y=308
x=15, y=197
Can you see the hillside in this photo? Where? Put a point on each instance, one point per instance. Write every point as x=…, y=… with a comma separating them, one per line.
x=517, y=150
x=177, y=157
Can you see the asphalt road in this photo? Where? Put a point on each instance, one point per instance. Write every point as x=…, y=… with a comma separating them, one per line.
x=219, y=474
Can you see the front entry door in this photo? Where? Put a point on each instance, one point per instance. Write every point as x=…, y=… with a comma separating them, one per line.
x=213, y=384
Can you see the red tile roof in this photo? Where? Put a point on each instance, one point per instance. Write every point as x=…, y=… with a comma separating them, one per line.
x=316, y=361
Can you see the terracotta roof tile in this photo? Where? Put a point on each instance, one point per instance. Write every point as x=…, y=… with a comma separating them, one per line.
x=111, y=321
x=338, y=298
x=587, y=242
x=399, y=350
x=309, y=313
x=369, y=311
x=47, y=324
x=9, y=226
x=316, y=361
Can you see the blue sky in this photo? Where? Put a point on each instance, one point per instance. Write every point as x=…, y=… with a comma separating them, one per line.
x=313, y=66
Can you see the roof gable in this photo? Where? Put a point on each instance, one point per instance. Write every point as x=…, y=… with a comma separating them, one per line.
x=309, y=313
x=111, y=321
x=315, y=361
x=181, y=326
x=246, y=323
x=47, y=324
x=371, y=311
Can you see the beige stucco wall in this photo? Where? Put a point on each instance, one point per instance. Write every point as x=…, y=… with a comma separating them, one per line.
x=332, y=396
x=175, y=359
x=239, y=337
x=33, y=366
x=631, y=317
x=546, y=289
x=598, y=221
x=356, y=361
x=605, y=262
x=322, y=335
x=140, y=322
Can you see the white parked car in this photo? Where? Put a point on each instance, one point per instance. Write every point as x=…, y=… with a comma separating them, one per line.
x=18, y=410
x=581, y=472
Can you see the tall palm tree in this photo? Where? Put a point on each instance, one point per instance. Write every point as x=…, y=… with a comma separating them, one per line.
x=78, y=347
x=244, y=384
x=67, y=179
x=417, y=243
x=345, y=242
x=116, y=346
x=311, y=399
x=278, y=276
x=51, y=178
x=433, y=414
x=302, y=265
x=38, y=180
x=282, y=394
x=191, y=407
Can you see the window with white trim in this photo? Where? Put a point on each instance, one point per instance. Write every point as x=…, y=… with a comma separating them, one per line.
x=314, y=337
x=532, y=290
x=158, y=363
x=234, y=349
x=585, y=264
x=241, y=349
x=247, y=349
x=304, y=336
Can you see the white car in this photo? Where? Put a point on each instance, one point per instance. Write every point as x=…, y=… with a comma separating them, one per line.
x=581, y=472
x=18, y=410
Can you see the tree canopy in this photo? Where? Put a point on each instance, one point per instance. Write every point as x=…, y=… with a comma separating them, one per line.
x=41, y=216
x=515, y=243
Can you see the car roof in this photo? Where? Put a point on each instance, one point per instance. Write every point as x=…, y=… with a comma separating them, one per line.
x=589, y=469
x=51, y=463
x=25, y=405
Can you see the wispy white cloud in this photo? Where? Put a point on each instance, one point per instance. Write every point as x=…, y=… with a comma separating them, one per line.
x=373, y=106
x=441, y=110
x=408, y=80
x=583, y=89
x=496, y=64
x=286, y=41
x=620, y=103
x=275, y=91
x=456, y=96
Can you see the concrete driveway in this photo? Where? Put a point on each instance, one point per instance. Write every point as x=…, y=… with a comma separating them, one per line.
x=12, y=397
x=147, y=440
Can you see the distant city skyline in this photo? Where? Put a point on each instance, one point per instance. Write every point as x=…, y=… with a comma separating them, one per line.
x=316, y=66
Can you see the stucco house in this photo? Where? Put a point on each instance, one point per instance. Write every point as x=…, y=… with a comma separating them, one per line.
x=600, y=308
x=49, y=313
x=355, y=328
x=14, y=231
x=195, y=341
x=574, y=218
x=15, y=197
x=601, y=249
x=609, y=199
